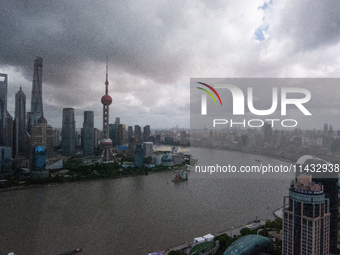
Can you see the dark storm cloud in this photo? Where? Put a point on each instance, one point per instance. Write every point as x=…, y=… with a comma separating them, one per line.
x=69, y=33
x=155, y=47
x=309, y=24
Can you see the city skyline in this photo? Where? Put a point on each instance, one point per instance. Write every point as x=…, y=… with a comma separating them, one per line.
x=53, y=117
x=154, y=50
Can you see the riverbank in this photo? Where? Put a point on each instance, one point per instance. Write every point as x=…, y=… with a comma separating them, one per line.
x=66, y=180
x=234, y=232
x=187, y=246
x=77, y=175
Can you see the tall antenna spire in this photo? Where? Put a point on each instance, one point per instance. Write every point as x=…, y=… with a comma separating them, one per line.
x=107, y=75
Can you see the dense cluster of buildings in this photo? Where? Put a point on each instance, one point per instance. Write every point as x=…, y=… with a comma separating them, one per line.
x=288, y=144
x=20, y=137
x=28, y=141
x=310, y=215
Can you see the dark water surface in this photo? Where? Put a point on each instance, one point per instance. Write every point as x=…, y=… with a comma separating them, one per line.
x=135, y=215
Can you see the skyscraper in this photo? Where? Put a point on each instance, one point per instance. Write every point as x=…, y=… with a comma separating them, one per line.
x=325, y=129
x=56, y=136
x=329, y=180
x=87, y=133
x=306, y=220
x=138, y=133
x=3, y=106
x=132, y=147
x=96, y=138
x=42, y=135
x=20, y=122
x=121, y=134
x=146, y=133
x=130, y=132
x=113, y=134
x=68, y=142
x=106, y=100
x=8, y=130
x=36, y=98
x=6, y=120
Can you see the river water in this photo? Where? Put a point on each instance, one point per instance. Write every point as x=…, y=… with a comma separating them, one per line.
x=136, y=215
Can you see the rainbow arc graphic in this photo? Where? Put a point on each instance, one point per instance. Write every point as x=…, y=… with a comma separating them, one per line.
x=209, y=93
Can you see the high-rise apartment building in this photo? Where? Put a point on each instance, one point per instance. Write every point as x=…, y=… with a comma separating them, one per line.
x=87, y=134
x=68, y=132
x=306, y=219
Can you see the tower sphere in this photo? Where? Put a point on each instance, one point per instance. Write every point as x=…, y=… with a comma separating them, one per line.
x=106, y=99
x=106, y=143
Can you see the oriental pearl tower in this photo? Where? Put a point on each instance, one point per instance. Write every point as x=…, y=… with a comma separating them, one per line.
x=106, y=142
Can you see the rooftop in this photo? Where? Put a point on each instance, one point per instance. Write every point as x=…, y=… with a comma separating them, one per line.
x=248, y=245
x=197, y=249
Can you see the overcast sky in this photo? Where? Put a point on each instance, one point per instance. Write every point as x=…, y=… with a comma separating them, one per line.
x=155, y=47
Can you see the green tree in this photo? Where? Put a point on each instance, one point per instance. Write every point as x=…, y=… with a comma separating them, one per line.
x=275, y=225
x=263, y=232
x=222, y=240
x=278, y=224
x=245, y=231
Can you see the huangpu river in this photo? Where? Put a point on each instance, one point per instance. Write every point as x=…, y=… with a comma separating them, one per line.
x=140, y=214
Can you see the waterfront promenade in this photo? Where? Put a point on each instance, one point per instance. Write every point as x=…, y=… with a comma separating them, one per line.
x=186, y=247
